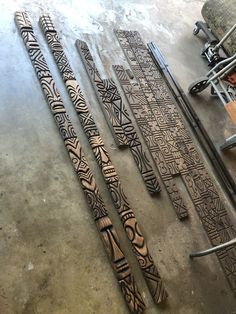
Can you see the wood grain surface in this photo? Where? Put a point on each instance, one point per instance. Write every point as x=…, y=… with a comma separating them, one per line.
x=112, y=99
x=173, y=137
x=104, y=225
x=111, y=178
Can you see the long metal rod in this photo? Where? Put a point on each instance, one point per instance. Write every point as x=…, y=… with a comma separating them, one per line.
x=120, y=200
x=213, y=249
x=196, y=124
x=225, y=37
x=104, y=225
x=221, y=72
x=218, y=65
x=230, y=142
x=221, y=83
x=214, y=85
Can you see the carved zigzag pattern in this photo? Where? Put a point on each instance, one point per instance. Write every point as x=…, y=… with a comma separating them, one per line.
x=112, y=100
x=170, y=128
x=115, y=188
x=88, y=184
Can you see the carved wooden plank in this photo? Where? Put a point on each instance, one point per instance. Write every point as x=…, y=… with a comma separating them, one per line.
x=134, y=143
x=111, y=97
x=165, y=122
x=149, y=128
x=112, y=120
x=106, y=230
x=111, y=178
x=165, y=106
x=163, y=100
x=199, y=184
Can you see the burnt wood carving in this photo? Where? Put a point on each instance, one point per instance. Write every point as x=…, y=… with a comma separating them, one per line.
x=201, y=134
x=189, y=164
x=97, y=82
x=111, y=178
x=105, y=104
x=111, y=98
x=106, y=230
x=149, y=128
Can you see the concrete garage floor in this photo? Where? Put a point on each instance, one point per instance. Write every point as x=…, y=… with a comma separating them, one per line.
x=51, y=258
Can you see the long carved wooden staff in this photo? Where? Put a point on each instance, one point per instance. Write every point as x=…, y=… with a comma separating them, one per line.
x=106, y=230
x=148, y=126
x=109, y=94
x=111, y=178
x=142, y=102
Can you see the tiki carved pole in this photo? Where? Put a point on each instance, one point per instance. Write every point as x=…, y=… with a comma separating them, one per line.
x=111, y=178
x=104, y=225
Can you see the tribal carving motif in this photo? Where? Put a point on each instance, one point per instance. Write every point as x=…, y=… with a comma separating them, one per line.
x=106, y=230
x=106, y=105
x=64, y=67
x=148, y=126
x=111, y=98
x=111, y=178
x=152, y=99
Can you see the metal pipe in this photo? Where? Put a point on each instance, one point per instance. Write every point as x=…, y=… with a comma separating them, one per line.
x=213, y=249
x=221, y=63
x=222, y=85
x=218, y=92
x=218, y=74
x=229, y=143
x=224, y=38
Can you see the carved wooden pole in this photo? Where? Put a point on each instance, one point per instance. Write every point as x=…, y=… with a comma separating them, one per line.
x=106, y=230
x=108, y=92
x=142, y=101
x=111, y=178
x=148, y=126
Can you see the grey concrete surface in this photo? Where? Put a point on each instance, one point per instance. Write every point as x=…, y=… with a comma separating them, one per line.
x=51, y=258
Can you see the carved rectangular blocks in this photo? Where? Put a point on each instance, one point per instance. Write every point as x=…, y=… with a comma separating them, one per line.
x=151, y=133
x=175, y=144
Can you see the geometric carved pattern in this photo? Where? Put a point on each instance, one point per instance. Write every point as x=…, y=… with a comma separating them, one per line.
x=111, y=178
x=172, y=132
x=107, y=91
x=134, y=143
x=106, y=230
x=68, y=74
x=150, y=130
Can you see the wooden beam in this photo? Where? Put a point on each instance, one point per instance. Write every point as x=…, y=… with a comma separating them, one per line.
x=111, y=98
